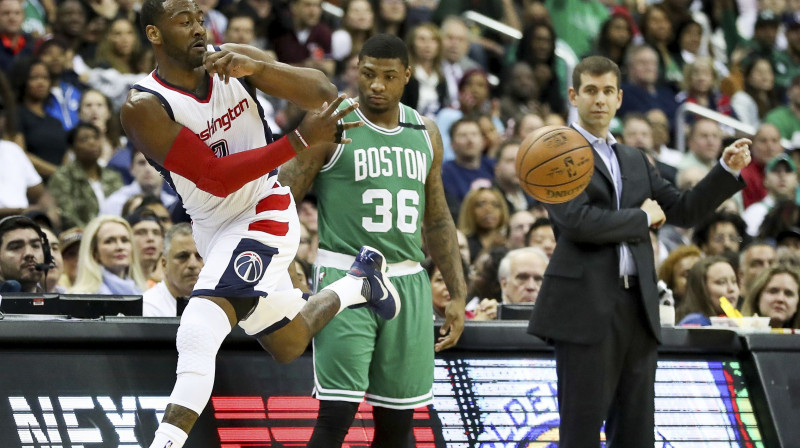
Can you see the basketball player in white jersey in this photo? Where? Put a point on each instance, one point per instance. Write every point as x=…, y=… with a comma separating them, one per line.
x=195, y=119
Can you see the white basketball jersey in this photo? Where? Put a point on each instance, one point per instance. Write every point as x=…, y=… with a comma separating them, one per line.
x=228, y=120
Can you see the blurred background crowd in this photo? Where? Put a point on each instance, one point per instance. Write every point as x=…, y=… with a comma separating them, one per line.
x=696, y=74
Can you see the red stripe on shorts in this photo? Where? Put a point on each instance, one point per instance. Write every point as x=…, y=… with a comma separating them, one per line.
x=269, y=226
x=274, y=202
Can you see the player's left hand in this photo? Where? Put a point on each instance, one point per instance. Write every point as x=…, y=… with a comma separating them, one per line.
x=737, y=154
x=228, y=64
x=452, y=327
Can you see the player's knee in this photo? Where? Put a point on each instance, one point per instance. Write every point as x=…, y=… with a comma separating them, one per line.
x=203, y=327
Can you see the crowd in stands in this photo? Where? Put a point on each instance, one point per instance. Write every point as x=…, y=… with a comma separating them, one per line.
x=66, y=67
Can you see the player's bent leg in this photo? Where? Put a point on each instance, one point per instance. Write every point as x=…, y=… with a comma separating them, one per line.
x=204, y=325
x=392, y=427
x=333, y=422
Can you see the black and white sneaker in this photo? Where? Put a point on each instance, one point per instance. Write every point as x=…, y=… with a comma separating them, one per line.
x=381, y=295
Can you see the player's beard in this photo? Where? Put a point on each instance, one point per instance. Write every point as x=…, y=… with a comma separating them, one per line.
x=184, y=58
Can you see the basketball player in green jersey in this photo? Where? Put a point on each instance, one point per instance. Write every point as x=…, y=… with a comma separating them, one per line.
x=384, y=189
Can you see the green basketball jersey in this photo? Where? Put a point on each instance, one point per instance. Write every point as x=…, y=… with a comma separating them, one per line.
x=372, y=191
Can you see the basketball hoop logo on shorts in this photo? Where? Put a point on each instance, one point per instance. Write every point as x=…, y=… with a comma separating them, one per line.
x=169, y=444
x=248, y=266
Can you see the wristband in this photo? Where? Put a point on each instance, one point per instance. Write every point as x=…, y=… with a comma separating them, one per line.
x=300, y=137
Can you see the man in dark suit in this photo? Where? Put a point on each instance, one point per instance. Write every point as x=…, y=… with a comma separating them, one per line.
x=598, y=303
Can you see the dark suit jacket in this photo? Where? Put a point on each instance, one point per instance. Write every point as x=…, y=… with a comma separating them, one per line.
x=575, y=302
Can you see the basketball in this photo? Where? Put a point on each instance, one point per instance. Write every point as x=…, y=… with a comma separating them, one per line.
x=554, y=164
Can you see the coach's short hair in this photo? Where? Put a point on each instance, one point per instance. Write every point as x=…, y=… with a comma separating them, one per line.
x=383, y=46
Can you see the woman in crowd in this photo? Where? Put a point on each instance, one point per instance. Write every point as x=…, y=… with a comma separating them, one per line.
x=759, y=95
x=45, y=139
x=657, y=31
x=120, y=47
x=674, y=270
x=95, y=108
x=441, y=296
x=392, y=15
x=426, y=91
x=538, y=48
x=701, y=86
x=709, y=279
x=614, y=37
x=358, y=25
x=483, y=218
x=107, y=263
x=775, y=295
x=81, y=185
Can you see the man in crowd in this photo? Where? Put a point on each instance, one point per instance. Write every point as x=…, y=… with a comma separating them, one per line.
x=181, y=264
x=21, y=254
x=521, y=273
x=781, y=184
x=766, y=146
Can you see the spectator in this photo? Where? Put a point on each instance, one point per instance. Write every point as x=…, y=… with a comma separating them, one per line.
x=70, y=244
x=755, y=258
x=153, y=204
x=521, y=93
x=506, y=179
x=441, y=296
x=701, y=86
x=537, y=48
x=674, y=270
x=306, y=40
x=637, y=132
x=262, y=14
x=44, y=136
x=524, y=125
x=96, y=109
x=80, y=186
x=658, y=32
x=119, y=48
x=20, y=184
x=781, y=183
x=709, y=279
x=392, y=17
x=787, y=118
x=358, y=25
x=148, y=242
x=542, y=236
x=473, y=100
x=181, y=265
x=455, y=60
x=307, y=250
x=780, y=219
x=787, y=258
x=483, y=282
x=759, y=95
x=463, y=246
x=16, y=44
x=426, y=90
x=53, y=276
x=643, y=92
x=70, y=25
x=521, y=273
x=146, y=181
x=722, y=233
x=775, y=295
x=66, y=89
x=615, y=35
x=704, y=145
x=577, y=22
x=659, y=123
x=241, y=29
x=107, y=263
x=766, y=146
x=789, y=60
x=470, y=169
x=483, y=219
x=21, y=253
x=519, y=224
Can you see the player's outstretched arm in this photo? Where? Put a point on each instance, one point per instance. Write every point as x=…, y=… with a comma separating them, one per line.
x=305, y=87
x=179, y=150
x=439, y=232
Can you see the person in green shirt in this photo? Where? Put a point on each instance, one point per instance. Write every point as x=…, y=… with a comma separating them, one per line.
x=787, y=62
x=787, y=118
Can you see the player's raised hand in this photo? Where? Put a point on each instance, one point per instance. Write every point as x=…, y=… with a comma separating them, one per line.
x=322, y=125
x=737, y=154
x=228, y=64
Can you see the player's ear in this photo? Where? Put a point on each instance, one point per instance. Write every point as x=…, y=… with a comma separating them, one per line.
x=407, y=74
x=572, y=94
x=153, y=34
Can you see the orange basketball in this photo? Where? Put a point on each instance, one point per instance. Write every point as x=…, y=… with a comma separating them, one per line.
x=554, y=164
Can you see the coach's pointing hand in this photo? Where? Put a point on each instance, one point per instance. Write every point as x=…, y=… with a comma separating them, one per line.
x=322, y=125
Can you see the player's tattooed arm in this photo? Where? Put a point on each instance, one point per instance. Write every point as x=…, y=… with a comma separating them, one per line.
x=300, y=172
x=306, y=87
x=441, y=241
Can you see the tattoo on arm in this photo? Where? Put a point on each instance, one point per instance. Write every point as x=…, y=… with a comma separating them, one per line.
x=439, y=230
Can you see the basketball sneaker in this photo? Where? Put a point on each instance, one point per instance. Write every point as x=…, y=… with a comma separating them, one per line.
x=381, y=295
